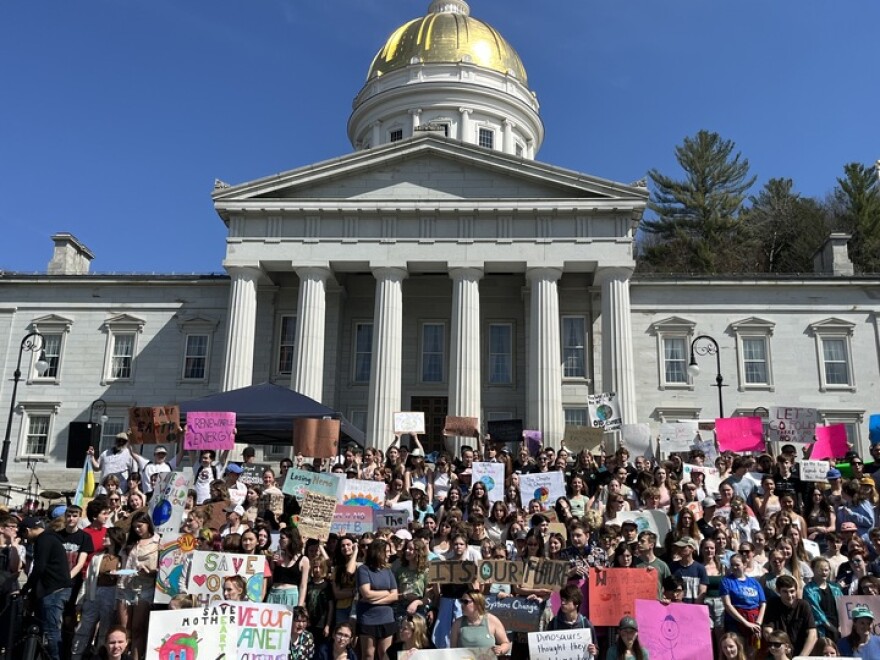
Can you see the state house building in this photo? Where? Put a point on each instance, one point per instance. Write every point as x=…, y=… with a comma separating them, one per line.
x=439, y=266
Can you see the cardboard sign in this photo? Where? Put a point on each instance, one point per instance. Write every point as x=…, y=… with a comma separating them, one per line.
x=361, y=492
x=316, y=516
x=509, y=431
x=392, y=518
x=534, y=441
x=831, y=442
x=355, y=520
x=409, y=422
x=740, y=434
x=560, y=644
x=678, y=436
x=208, y=569
x=711, y=476
x=579, y=438
x=531, y=573
x=637, y=438
x=168, y=501
x=517, y=614
x=614, y=591
x=209, y=430
x=677, y=630
x=252, y=473
x=604, y=411
x=215, y=513
x=201, y=632
x=795, y=425
x=156, y=425
x=814, y=470
x=299, y=481
x=463, y=427
x=845, y=606
x=546, y=487
x=170, y=579
x=492, y=476
x=317, y=438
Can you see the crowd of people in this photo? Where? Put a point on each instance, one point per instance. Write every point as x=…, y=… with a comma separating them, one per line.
x=769, y=554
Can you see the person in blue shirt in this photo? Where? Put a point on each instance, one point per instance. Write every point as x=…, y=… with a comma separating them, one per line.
x=744, y=600
x=861, y=643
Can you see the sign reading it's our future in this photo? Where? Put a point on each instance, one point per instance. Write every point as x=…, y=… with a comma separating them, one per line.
x=531, y=573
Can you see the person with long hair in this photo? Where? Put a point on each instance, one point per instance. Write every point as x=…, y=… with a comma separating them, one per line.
x=377, y=591
x=412, y=637
x=290, y=571
x=685, y=526
x=319, y=600
x=411, y=572
x=822, y=594
x=744, y=601
x=779, y=646
x=234, y=588
x=627, y=646
x=798, y=569
x=766, y=504
x=339, y=647
x=448, y=604
x=453, y=500
x=134, y=600
x=820, y=517
x=730, y=647
x=477, y=628
x=442, y=479
x=478, y=495
x=860, y=642
x=578, y=497
x=715, y=572
x=826, y=648
x=344, y=567
x=498, y=522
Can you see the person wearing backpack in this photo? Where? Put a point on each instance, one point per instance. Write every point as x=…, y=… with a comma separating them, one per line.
x=569, y=617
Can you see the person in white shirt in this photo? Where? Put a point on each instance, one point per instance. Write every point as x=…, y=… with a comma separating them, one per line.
x=158, y=465
x=237, y=489
x=117, y=461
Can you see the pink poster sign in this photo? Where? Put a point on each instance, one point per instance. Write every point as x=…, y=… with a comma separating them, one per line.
x=830, y=442
x=740, y=434
x=677, y=630
x=209, y=430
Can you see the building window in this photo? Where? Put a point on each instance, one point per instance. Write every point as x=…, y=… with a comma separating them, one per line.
x=755, y=361
x=753, y=349
x=834, y=354
x=433, y=352
x=195, y=357
x=121, y=351
x=286, y=344
x=445, y=128
x=500, y=354
x=576, y=416
x=358, y=418
x=574, y=353
x=851, y=420
x=110, y=429
x=487, y=138
x=122, y=356
x=52, y=353
x=36, y=441
x=363, y=352
x=673, y=344
x=54, y=330
x=276, y=452
x=396, y=135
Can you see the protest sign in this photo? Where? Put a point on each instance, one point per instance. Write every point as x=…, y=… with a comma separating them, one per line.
x=845, y=605
x=392, y=518
x=740, y=434
x=831, y=442
x=316, y=516
x=207, y=570
x=677, y=630
x=812, y=548
x=252, y=473
x=507, y=431
x=158, y=424
x=464, y=427
x=874, y=429
x=355, y=520
x=650, y=519
x=403, y=505
x=214, y=512
x=604, y=411
x=318, y=438
x=168, y=501
x=637, y=438
x=454, y=654
x=578, y=438
x=170, y=578
x=262, y=631
x=560, y=644
x=409, y=422
x=200, y=632
x=711, y=476
x=299, y=481
x=546, y=487
x=792, y=424
x=814, y=470
x=534, y=441
x=678, y=436
x=708, y=448
x=517, y=614
x=360, y=492
x=209, y=430
x=531, y=573
x=613, y=593
x=492, y=476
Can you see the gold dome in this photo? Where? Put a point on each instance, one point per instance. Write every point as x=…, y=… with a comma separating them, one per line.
x=447, y=34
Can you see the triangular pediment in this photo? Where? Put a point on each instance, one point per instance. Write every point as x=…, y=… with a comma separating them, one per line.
x=126, y=320
x=673, y=324
x=51, y=320
x=429, y=167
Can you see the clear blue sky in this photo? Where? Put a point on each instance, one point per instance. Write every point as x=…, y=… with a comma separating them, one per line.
x=116, y=116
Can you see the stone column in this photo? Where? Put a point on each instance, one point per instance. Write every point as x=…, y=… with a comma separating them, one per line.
x=464, y=125
x=238, y=369
x=416, y=119
x=386, y=369
x=545, y=355
x=311, y=309
x=376, y=134
x=509, y=145
x=464, y=359
x=618, y=373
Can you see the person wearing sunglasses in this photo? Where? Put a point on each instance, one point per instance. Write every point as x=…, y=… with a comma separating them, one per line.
x=779, y=646
x=476, y=628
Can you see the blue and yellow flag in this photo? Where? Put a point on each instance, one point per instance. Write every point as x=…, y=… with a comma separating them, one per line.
x=86, y=486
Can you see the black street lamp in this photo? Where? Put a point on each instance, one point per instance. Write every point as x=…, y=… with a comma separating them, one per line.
x=31, y=343
x=710, y=348
x=98, y=412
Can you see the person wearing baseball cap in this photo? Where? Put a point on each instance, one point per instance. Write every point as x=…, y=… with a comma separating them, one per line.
x=692, y=573
x=234, y=517
x=704, y=524
x=237, y=488
x=627, y=645
x=861, y=643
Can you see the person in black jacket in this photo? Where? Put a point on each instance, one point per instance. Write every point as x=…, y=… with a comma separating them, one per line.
x=49, y=583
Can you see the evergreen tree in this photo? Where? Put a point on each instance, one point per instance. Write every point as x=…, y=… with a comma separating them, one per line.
x=857, y=198
x=697, y=218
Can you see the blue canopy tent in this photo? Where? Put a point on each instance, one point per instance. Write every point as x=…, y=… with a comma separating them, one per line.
x=265, y=413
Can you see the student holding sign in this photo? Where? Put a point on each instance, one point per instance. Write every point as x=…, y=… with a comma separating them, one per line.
x=476, y=628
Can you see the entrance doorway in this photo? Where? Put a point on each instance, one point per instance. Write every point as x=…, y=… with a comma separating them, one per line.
x=435, y=409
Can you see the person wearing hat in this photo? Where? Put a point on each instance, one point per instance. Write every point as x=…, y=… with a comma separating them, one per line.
x=159, y=465
x=691, y=572
x=704, y=524
x=627, y=646
x=234, y=518
x=861, y=642
x=118, y=461
x=421, y=504
x=49, y=584
x=237, y=488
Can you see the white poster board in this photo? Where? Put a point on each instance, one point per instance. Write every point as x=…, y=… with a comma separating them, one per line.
x=492, y=475
x=560, y=644
x=637, y=438
x=604, y=411
x=814, y=470
x=653, y=519
x=409, y=422
x=208, y=569
x=678, y=436
x=168, y=501
x=711, y=476
x=794, y=425
x=362, y=492
x=546, y=487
